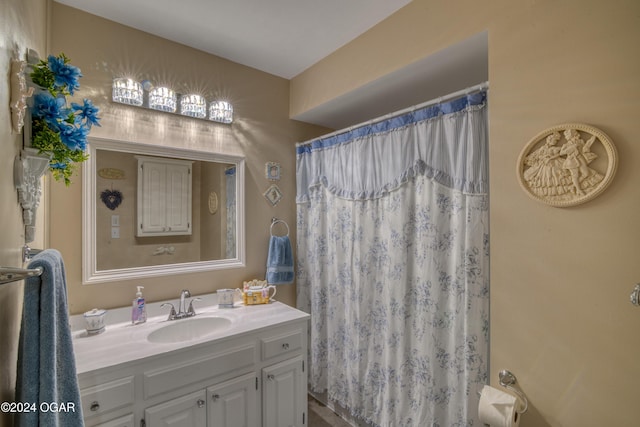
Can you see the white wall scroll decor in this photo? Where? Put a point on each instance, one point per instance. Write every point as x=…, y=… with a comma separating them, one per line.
x=272, y=170
x=567, y=165
x=20, y=92
x=273, y=194
x=28, y=168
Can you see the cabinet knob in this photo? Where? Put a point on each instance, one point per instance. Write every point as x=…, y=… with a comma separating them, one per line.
x=94, y=406
x=285, y=346
x=215, y=397
x=271, y=377
x=201, y=403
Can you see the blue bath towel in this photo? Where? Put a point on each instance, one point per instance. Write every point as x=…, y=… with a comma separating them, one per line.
x=280, y=261
x=46, y=373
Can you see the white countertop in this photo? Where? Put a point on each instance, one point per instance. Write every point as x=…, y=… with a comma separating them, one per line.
x=123, y=342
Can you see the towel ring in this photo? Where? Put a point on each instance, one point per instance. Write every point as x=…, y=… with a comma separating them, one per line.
x=275, y=221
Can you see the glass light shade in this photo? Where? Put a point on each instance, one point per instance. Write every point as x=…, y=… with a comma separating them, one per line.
x=221, y=111
x=127, y=91
x=163, y=99
x=193, y=106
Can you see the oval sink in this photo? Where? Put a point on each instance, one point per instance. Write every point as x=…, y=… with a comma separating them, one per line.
x=189, y=329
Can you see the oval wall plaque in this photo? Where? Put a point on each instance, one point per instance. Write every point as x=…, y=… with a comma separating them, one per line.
x=213, y=202
x=567, y=165
x=111, y=173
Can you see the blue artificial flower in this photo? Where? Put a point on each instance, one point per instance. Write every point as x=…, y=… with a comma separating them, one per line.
x=74, y=137
x=64, y=74
x=59, y=166
x=87, y=112
x=50, y=109
x=58, y=129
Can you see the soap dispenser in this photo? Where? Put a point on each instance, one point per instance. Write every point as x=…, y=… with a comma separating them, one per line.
x=139, y=310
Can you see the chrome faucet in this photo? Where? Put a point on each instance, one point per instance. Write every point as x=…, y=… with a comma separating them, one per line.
x=184, y=294
x=183, y=312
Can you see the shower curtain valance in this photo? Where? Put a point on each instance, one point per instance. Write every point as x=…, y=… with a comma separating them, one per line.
x=425, y=141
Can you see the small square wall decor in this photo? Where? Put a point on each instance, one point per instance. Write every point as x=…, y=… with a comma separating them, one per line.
x=272, y=170
x=273, y=194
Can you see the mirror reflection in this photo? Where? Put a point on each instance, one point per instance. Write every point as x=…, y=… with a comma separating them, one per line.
x=148, y=207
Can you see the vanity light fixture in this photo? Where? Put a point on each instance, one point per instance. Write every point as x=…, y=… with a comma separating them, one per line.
x=193, y=106
x=143, y=94
x=162, y=99
x=127, y=91
x=221, y=111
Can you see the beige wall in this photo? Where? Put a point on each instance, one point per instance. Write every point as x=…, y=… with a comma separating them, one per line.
x=560, y=278
x=561, y=320
x=23, y=25
x=261, y=131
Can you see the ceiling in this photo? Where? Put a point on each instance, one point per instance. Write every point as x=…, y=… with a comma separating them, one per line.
x=285, y=37
x=281, y=37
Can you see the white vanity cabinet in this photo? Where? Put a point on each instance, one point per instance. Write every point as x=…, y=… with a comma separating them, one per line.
x=126, y=421
x=164, y=197
x=284, y=384
x=255, y=378
x=184, y=411
x=284, y=393
x=108, y=398
x=230, y=404
x=234, y=403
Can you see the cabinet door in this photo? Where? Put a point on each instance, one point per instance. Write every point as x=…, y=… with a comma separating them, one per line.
x=284, y=396
x=126, y=421
x=178, y=199
x=234, y=403
x=185, y=411
x=164, y=197
x=152, y=195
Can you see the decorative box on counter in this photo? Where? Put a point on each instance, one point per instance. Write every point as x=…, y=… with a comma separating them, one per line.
x=258, y=292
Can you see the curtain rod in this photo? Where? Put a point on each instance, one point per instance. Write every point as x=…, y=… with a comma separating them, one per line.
x=471, y=89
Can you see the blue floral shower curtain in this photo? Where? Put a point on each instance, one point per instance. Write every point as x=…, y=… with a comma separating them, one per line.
x=393, y=258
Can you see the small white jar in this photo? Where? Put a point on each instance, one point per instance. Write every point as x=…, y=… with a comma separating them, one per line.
x=94, y=321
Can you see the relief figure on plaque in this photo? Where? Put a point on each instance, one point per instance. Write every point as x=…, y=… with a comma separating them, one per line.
x=562, y=172
x=546, y=176
x=579, y=155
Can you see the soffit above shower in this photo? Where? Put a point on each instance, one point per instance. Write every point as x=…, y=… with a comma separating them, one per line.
x=454, y=68
x=280, y=37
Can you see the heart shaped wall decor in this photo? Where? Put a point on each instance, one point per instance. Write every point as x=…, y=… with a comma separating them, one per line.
x=111, y=198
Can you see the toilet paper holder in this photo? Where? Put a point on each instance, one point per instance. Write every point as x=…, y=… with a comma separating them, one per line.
x=507, y=380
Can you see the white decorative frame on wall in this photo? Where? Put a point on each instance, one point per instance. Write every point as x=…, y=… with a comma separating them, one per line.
x=273, y=194
x=567, y=165
x=272, y=171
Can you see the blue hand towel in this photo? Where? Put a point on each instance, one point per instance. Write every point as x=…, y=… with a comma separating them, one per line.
x=46, y=373
x=280, y=261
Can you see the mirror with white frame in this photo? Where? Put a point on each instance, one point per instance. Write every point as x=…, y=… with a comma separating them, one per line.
x=204, y=204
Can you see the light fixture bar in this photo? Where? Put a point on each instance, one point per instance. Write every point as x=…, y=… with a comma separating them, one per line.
x=131, y=92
